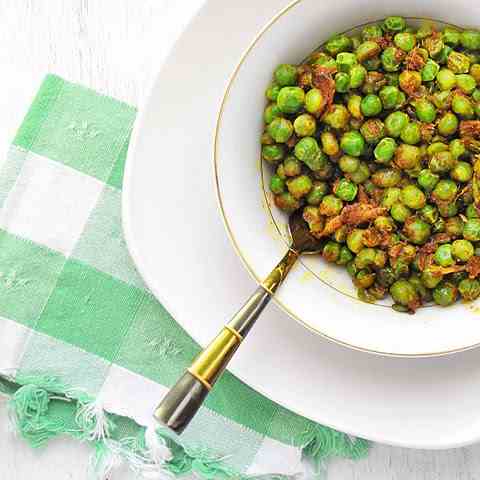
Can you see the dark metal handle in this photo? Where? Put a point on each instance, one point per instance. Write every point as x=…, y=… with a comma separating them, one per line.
x=182, y=402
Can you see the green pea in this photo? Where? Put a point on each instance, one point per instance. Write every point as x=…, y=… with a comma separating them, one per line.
x=348, y=164
x=448, y=124
x=436, y=147
x=407, y=157
x=427, y=179
x=353, y=105
x=345, y=190
x=314, y=101
x=307, y=149
x=463, y=106
x=371, y=105
x=365, y=258
x=469, y=289
x=439, y=226
x=286, y=75
x=361, y=174
x=280, y=171
x=430, y=279
x=395, y=123
x=392, y=59
x=471, y=229
x=345, y=256
x=451, y=36
x=386, y=277
x=403, y=292
x=280, y=129
x=413, y=197
x=394, y=24
x=425, y=30
x=373, y=130
x=434, y=46
x=405, y=40
x=385, y=150
x=417, y=230
x=331, y=251
x=290, y=99
x=457, y=148
x=475, y=73
x=445, y=294
x=384, y=224
x=352, y=270
x=462, y=250
x=430, y=70
x=367, y=50
x=355, y=240
x=299, y=186
x=305, y=125
x=471, y=212
x=390, y=197
x=266, y=139
x=371, y=32
x=425, y=111
x=331, y=205
x=357, y=74
x=400, y=212
x=386, y=177
x=442, y=162
x=458, y=62
x=446, y=79
x=389, y=96
x=292, y=166
x=429, y=213
x=447, y=210
x=352, y=143
x=476, y=95
x=329, y=143
x=345, y=61
x=316, y=194
x=272, y=91
x=411, y=134
x=443, y=255
x=337, y=117
x=410, y=80
x=277, y=185
x=338, y=44
x=445, y=191
x=364, y=279
x=273, y=153
x=462, y=172
x=271, y=112
x=323, y=59
x=470, y=39
x=342, y=82
x=466, y=83
x=286, y=202
x=442, y=99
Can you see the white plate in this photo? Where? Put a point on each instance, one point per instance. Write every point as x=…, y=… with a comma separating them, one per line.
x=426, y=403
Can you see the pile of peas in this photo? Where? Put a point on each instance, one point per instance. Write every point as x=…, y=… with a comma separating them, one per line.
x=389, y=118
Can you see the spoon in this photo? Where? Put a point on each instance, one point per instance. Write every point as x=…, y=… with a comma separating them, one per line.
x=182, y=402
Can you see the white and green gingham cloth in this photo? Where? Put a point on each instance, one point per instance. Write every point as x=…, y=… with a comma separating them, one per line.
x=85, y=349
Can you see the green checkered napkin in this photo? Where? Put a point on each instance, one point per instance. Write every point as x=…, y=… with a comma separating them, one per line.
x=80, y=334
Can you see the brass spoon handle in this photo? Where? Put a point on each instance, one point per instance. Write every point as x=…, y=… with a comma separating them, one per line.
x=182, y=402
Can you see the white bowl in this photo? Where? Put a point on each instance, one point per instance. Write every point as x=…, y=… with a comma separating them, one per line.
x=317, y=294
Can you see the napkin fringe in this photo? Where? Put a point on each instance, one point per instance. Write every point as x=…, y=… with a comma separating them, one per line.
x=37, y=407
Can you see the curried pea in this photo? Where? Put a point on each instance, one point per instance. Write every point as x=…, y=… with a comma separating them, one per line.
x=471, y=230
x=374, y=139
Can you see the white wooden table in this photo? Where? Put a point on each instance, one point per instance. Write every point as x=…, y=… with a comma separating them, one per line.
x=114, y=46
